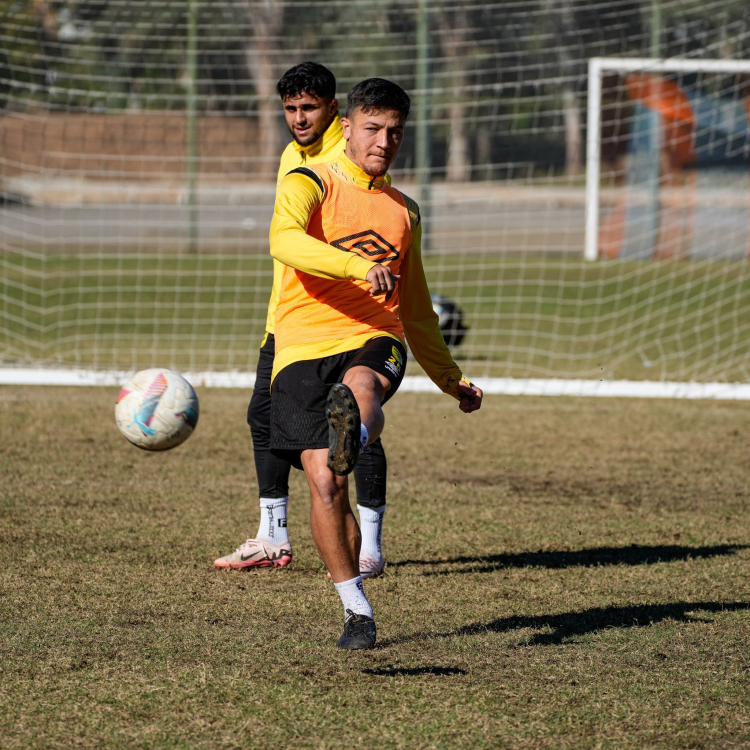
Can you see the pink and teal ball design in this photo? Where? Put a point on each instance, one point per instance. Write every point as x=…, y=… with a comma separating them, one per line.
x=157, y=410
x=150, y=402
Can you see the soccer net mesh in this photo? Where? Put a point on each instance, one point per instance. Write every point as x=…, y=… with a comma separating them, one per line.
x=139, y=143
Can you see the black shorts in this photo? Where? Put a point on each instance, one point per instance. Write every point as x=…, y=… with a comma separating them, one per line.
x=300, y=390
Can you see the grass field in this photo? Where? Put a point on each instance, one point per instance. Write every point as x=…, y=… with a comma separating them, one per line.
x=528, y=316
x=561, y=573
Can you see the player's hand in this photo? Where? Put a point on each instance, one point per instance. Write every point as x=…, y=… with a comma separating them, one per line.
x=471, y=397
x=382, y=281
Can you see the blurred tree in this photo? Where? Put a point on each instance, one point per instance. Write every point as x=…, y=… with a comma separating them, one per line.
x=23, y=68
x=267, y=23
x=563, y=22
x=107, y=54
x=455, y=34
x=508, y=78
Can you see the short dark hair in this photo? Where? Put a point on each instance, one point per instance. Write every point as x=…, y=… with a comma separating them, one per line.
x=307, y=78
x=378, y=94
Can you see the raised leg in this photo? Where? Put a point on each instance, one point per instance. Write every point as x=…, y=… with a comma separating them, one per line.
x=369, y=389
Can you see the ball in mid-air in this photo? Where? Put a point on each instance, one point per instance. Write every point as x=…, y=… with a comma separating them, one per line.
x=157, y=410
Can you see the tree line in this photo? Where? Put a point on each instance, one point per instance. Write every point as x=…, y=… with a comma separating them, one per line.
x=507, y=79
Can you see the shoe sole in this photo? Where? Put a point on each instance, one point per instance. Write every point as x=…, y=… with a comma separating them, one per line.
x=281, y=562
x=344, y=430
x=355, y=644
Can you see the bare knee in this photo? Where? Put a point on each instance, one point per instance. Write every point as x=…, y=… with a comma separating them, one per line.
x=364, y=380
x=328, y=491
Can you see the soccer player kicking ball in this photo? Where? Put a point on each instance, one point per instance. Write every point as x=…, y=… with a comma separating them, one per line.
x=308, y=95
x=352, y=286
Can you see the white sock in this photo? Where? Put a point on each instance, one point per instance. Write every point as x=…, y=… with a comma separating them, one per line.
x=273, y=520
x=364, y=436
x=371, y=523
x=353, y=597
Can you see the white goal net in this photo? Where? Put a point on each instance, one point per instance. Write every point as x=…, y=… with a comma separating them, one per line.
x=139, y=143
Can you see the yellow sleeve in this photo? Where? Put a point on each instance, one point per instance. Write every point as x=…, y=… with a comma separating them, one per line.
x=290, y=158
x=297, y=198
x=421, y=324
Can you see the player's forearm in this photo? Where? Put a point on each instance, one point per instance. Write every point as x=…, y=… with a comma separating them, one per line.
x=421, y=324
x=426, y=342
x=292, y=246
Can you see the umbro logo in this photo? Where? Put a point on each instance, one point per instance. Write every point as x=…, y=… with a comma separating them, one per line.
x=369, y=244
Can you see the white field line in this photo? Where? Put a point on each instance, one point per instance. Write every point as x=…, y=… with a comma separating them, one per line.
x=413, y=384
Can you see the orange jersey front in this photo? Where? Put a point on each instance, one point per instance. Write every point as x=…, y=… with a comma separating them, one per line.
x=313, y=309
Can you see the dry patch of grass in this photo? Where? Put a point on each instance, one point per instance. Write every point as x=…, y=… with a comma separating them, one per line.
x=562, y=573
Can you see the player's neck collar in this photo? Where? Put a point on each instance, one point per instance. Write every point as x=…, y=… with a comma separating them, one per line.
x=345, y=168
x=331, y=139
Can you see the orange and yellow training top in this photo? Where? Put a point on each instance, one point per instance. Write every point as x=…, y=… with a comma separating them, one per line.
x=332, y=223
x=326, y=148
x=330, y=145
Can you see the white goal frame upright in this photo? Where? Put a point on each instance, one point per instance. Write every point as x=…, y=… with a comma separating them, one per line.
x=600, y=65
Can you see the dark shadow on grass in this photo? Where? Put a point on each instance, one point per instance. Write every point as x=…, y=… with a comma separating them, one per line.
x=414, y=671
x=635, y=554
x=569, y=625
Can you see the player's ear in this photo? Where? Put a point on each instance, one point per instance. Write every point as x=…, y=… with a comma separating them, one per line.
x=334, y=107
x=346, y=127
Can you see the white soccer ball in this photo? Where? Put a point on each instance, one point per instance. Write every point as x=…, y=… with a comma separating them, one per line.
x=157, y=410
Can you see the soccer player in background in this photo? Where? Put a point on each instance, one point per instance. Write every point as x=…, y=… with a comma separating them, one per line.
x=352, y=286
x=308, y=95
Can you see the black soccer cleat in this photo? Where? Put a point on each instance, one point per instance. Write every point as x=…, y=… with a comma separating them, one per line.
x=359, y=632
x=344, y=430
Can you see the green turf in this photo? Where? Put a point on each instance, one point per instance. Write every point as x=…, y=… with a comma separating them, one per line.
x=528, y=317
x=561, y=574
